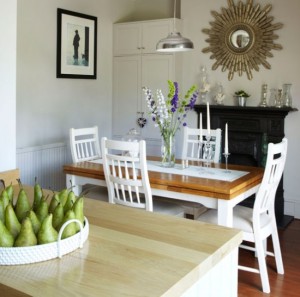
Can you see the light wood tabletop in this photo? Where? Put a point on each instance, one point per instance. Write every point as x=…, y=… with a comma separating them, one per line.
x=129, y=252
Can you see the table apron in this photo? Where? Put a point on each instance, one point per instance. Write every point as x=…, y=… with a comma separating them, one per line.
x=224, y=207
x=206, y=201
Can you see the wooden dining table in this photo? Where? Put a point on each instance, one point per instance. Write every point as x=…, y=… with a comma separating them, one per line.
x=213, y=193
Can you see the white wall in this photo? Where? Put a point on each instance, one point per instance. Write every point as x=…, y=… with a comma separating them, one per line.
x=285, y=69
x=48, y=106
x=154, y=9
x=8, y=46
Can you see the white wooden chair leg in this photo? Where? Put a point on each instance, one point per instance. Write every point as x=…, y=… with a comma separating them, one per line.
x=262, y=266
x=277, y=252
x=265, y=248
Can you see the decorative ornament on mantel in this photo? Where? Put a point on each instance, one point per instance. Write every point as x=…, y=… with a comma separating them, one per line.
x=241, y=38
x=204, y=86
x=241, y=97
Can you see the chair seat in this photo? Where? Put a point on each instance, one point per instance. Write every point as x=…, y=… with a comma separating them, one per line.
x=168, y=207
x=95, y=192
x=242, y=218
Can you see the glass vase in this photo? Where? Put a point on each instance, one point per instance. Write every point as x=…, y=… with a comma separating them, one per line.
x=286, y=95
x=168, y=151
x=273, y=97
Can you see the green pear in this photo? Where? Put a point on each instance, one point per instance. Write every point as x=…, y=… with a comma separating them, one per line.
x=37, y=195
x=78, y=210
x=70, y=229
x=36, y=224
x=5, y=198
x=26, y=236
x=63, y=196
x=2, y=212
x=11, y=221
x=70, y=201
x=6, y=239
x=22, y=205
x=47, y=233
x=58, y=216
x=54, y=202
x=42, y=210
x=10, y=193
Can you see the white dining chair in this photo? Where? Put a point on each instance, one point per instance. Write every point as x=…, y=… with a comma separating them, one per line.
x=85, y=146
x=9, y=177
x=193, y=148
x=127, y=177
x=259, y=223
x=84, y=143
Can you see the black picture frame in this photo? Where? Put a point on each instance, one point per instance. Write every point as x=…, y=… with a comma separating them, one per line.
x=76, y=45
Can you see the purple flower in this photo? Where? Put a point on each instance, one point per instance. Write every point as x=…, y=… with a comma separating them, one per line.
x=175, y=99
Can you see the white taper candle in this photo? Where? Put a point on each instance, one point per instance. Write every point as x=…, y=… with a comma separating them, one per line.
x=200, y=126
x=208, y=120
x=226, y=139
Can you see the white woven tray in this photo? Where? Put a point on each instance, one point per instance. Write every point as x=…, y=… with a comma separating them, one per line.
x=44, y=252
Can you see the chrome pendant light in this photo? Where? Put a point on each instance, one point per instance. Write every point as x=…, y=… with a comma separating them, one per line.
x=174, y=42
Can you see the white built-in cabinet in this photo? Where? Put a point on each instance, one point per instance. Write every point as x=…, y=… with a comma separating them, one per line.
x=137, y=64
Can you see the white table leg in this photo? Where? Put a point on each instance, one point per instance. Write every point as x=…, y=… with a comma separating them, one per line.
x=71, y=180
x=225, y=213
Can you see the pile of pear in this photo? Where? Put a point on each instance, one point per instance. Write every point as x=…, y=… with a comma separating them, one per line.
x=27, y=224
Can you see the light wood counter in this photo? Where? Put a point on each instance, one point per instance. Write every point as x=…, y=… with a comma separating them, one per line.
x=129, y=252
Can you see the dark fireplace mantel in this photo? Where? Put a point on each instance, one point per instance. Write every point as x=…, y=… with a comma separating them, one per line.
x=249, y=131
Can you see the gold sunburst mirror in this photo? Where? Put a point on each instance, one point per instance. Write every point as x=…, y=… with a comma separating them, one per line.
x=241, y=38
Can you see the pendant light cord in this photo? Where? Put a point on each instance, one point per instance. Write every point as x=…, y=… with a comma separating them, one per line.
x=174, y=27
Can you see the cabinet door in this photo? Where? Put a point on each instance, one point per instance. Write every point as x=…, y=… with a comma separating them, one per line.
x=156, y=70
x=140, y=37
x=154, y=31
x=127, y=39
x=126, y=94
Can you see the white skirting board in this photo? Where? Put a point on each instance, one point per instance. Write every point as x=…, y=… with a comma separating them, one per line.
x=44, y=162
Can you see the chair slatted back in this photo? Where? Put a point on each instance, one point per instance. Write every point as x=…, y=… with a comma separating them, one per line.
x=10, y=177
x=126, y=175
x=84, y=144
x=193, y=148
x=265, y=196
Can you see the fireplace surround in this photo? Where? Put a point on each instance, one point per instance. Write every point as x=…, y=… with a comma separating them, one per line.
x=249, y=131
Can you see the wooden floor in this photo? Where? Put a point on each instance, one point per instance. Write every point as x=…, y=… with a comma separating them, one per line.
x=287, y=285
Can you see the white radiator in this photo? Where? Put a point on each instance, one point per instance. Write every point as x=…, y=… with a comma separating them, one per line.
x=44, y=162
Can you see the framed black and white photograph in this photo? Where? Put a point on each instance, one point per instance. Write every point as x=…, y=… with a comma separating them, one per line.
x=76, y=45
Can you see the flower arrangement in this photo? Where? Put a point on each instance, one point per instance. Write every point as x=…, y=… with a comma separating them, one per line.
x=170, y=114
x=242, y=93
